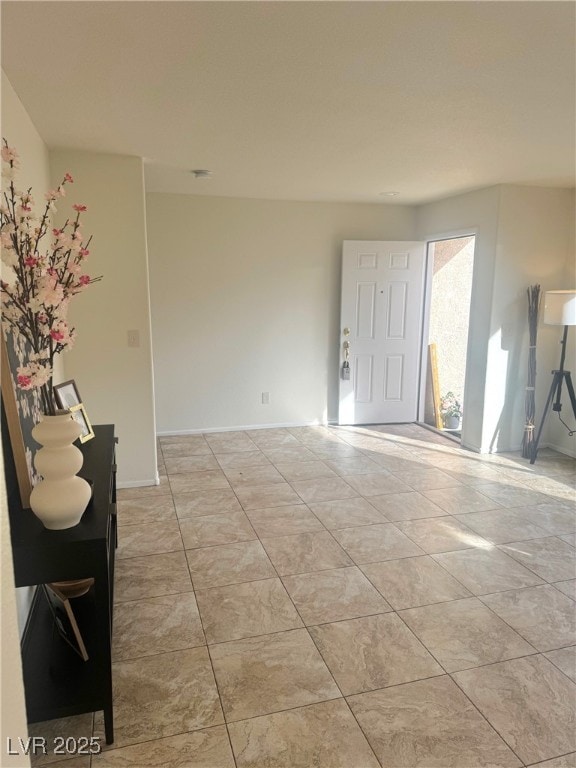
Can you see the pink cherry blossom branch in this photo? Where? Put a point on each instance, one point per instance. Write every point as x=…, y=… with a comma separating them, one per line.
x=36, y=301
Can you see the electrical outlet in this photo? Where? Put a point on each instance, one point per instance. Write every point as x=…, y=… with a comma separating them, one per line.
x=133, y=338
x=265, y=398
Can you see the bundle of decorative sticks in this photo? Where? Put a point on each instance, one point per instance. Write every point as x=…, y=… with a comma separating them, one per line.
x=530, y=405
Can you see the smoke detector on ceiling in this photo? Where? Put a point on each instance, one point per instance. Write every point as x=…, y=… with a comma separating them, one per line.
x=201, y=174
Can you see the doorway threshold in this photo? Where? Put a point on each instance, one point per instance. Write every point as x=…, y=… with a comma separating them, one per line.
x=454, y=435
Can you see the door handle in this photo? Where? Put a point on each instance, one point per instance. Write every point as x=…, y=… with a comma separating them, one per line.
x=346, y=344
x=345, y=371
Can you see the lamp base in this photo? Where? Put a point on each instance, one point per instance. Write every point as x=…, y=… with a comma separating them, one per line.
x=558, y=377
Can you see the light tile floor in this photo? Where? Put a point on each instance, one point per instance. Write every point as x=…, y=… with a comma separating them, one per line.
x=342, y=598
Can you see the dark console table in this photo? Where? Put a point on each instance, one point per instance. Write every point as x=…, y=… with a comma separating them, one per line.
x=57, y=682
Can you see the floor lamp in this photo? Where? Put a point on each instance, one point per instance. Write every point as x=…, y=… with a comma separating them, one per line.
x=559, y=309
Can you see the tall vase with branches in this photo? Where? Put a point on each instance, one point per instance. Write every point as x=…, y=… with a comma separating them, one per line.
x=533, y=293
x=43, y=269
x=39, y=278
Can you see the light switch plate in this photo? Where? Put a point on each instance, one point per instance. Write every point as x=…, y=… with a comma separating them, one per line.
x=133, y=338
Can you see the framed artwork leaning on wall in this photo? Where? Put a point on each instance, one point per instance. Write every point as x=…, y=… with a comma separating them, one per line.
x=79, y=415
x=67, y=394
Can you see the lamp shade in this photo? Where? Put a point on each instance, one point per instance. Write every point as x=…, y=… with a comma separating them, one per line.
x=560, y=307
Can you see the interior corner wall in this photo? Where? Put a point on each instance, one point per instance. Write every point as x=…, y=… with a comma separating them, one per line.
x=472, y=213
x=523, y=237
x=558, y=436
x=20, y=133
x=534, y=234
x=115, y=381
x=245, y=300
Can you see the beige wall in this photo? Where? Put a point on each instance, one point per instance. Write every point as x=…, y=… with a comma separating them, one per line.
x=534, y=236
x=473, y=213
x=557, y=435
x=114, y=380
x=246, y=299
x=523, y=237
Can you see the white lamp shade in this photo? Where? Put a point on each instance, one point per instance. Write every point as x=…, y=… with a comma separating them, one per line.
x=560, y=307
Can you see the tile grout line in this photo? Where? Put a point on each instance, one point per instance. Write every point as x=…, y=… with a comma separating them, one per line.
x=566, y=675
x=518, y=632
x=329, y=530
x=303, y=627
x=355, y=565
x=206, y=646
x=451, y=675
x=278, y=576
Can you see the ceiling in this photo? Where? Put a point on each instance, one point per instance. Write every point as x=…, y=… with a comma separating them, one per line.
x=335, y=101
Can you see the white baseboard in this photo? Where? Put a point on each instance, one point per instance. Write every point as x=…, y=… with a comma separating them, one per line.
x=560, y=449
x=469, y=447
x=518, y=449
x=138, y=483
x=246, y=427
x=509, y=449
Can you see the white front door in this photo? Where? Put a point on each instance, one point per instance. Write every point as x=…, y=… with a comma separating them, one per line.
x=381, y=318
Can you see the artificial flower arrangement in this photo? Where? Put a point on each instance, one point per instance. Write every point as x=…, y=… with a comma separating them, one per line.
x=449, y=406
x=41, y=278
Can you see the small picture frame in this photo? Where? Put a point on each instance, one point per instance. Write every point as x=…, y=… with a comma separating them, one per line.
x=79, y=415
x=64, y=620
x=67, y=395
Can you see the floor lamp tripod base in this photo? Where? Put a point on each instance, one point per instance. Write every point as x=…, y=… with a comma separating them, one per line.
x=559, y=377
x=559, y=309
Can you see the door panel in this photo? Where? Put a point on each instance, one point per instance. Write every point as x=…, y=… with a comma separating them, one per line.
x=363, y=378
x=396, y=311
x=394, y=379
x=365, y=308
x=382, y=297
